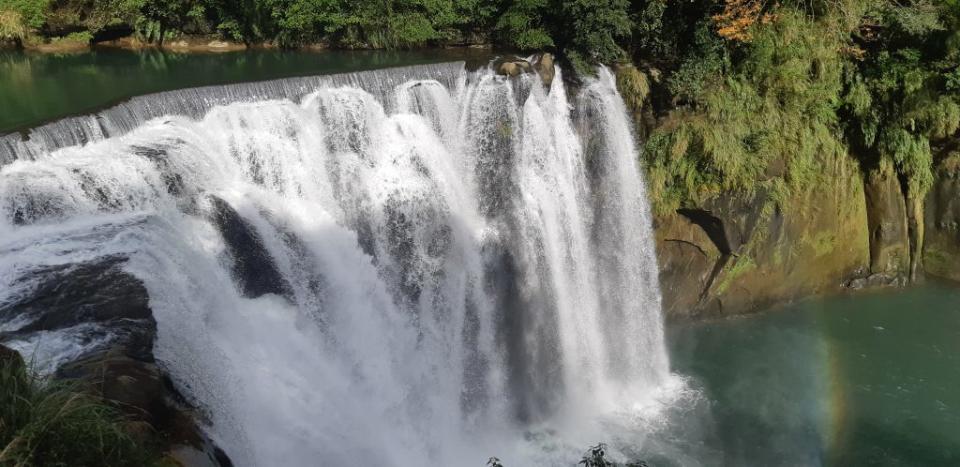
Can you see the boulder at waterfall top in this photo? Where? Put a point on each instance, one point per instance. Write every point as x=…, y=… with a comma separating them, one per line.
x=542, y=64
x=513, y=67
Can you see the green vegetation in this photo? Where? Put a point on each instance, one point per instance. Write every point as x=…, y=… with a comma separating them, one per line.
x=51, y=423
x=902, y=96
x=763, y=95
x=12, y=27
x=741, y=265
x=588, y=31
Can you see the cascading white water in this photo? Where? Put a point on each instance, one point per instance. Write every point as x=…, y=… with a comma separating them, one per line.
x=452, y=265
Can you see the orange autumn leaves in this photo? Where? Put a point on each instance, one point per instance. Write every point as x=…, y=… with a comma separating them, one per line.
x=735, y=21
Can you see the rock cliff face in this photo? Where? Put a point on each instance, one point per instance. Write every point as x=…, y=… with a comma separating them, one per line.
x=887, y=223
x=854, y=228
x=740, y=253
x=941, y=246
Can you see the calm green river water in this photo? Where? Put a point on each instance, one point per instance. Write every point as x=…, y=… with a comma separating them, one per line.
x=852, y=381
x=35, y=88
x=861, y=380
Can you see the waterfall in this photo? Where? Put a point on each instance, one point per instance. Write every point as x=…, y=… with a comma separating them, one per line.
x=422, y=265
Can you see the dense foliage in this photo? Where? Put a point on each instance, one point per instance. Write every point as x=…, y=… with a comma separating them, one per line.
x=762, y=95
x=591, y=28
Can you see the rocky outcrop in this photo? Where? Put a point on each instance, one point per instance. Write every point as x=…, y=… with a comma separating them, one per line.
x=203, y=44
x=887, y=223
x=688, y=259
x=732, y=252
x=941, y=245
x=100, y=302
x=737, y=253
x=145, y=394
x=513, y=66
x=542, y=64
x=253, y=267
x=186, y=43
x=67, y=296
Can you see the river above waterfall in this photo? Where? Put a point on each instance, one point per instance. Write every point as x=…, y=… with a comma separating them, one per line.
x=39, y=87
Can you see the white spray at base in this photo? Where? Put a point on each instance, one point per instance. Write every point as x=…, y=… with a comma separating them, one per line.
x=457, y=268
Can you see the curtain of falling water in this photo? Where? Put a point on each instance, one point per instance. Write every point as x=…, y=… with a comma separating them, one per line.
x=408, y=266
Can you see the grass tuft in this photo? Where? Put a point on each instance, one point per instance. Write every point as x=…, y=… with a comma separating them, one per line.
x=49, y=422
x=12, y=27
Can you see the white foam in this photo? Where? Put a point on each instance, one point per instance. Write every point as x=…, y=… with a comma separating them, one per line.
x=408, y=338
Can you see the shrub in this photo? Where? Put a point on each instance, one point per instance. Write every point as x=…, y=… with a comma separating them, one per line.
x=33, y=13
x=522, y=25
x=12, y=27
x=84, y=37
x=767, y=115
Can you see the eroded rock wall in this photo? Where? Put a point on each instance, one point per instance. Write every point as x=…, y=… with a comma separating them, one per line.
x=941, y=243
x=739, y=253
x=855, y=227
x=887, y=222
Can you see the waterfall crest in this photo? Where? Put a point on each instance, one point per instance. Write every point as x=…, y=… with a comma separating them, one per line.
x=400, y=267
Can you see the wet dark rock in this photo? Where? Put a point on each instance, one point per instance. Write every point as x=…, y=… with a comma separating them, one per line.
x=158, y=155
x=253, y=268
x=137, y=386
x=116, y=304
x=98, y=292
x=145, y=394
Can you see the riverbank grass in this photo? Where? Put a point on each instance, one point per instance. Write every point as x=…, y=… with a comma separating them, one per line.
x=44, y=421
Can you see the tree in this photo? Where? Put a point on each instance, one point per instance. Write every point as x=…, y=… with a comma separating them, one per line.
x=523, y=25
x=596, y=28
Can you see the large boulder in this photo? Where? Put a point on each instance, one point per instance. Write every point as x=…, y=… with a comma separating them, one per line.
x=687, y=257
x=513, y=66
x=542, y=64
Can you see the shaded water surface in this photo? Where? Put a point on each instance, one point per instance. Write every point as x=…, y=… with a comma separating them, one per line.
x=38, y=87
x=862, y=380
